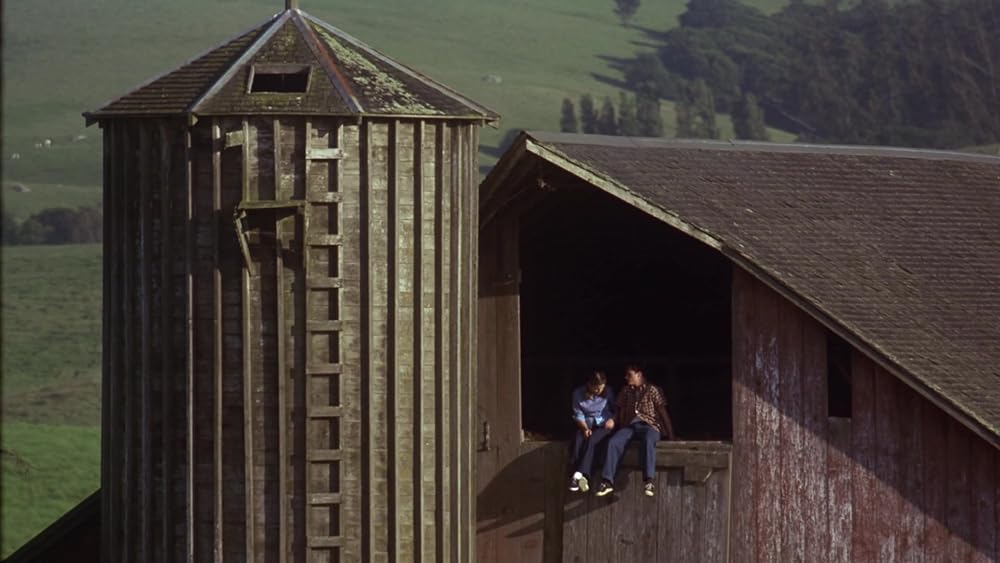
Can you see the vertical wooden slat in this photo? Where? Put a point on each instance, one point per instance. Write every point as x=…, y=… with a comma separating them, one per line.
x=814, y=447
x=439, y=351
x=430, y=406
x=670, y=515
x=470, y=220
x=112, y=434
x=217, y=348
x=129, y=487
x=454, y=331
x=911, y=472
x=167, y=347
x=349, y=174
x=575, y=537
x=716, y=516
x=935, y=490
x=959, y=493
x=768, y=423
x=863, y=449
x=189, y=269
x=392, y=348
x=887, y=501
x=839, y=498
x=365, y=302
x=106, y=319
x=793, y=481
x=418, y=357
x=248, y=383
x=145, y=366
x=744, y=417
x=301, y=512
x=282, y=371
x=984, y=509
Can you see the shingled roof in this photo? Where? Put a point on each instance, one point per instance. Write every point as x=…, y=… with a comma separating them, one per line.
x=896, y=250
x=346, y=77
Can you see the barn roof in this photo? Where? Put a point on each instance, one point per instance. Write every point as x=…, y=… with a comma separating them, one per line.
x=896, y=250
x=346, y=77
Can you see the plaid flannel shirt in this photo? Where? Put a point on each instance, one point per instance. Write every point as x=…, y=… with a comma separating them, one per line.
x=643, y=403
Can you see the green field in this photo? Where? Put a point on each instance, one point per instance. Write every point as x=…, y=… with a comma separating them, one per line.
x=46, y=470
x=63, y=57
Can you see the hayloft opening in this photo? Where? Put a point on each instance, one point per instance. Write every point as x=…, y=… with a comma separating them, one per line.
x=603, y=284
x=279, y=78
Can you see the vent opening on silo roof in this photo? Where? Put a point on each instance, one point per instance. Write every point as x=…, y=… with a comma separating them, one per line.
x=283, y=78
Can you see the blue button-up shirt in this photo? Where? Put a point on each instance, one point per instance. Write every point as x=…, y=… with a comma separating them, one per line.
x=594, y=411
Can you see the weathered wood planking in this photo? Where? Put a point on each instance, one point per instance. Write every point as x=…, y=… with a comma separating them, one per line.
x=744, y=417
x=767, y=487
x=886, y=449
x=815, y=488
x=486, y=399
x=935, y=437
x=910, y=484
x=863, y=478
x=983, y=485
x=793, y=480
x=839, y=489
x=958, y=491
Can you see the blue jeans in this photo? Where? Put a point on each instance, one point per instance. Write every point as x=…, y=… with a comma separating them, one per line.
x=620, y=440
x=582, y=457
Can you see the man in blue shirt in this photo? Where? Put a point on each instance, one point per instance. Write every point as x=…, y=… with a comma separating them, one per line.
x=593, y=413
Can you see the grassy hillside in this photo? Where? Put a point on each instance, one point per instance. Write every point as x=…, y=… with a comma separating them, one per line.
x=46, y=470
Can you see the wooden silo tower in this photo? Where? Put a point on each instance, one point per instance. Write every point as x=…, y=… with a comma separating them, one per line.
x=290, y=267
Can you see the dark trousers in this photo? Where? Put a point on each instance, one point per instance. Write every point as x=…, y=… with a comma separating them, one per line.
x=620, y=440
x=582, y=456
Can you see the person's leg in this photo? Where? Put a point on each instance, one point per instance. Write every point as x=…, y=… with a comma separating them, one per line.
x=577, y=446
x=586, y=459
x=616, y=447
x=649, y=438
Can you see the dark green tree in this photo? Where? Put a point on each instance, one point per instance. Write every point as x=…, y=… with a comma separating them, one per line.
x=748, y=119
x=628, y=123
x=33, y=231
x=696, y=112
x=606, y=122
x=10, y=229
x=588, y=114
x=626, y=9
x=568, y=123
x=648, y=116
x=646, y=74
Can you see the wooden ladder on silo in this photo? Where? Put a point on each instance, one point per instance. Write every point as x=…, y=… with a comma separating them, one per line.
x=326, y=500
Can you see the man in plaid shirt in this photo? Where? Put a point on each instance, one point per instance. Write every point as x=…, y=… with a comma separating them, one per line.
x=642, y=413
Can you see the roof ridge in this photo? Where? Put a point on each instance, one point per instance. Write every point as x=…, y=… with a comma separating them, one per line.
x=324, y=57
x=547, y=137
x=416, y=75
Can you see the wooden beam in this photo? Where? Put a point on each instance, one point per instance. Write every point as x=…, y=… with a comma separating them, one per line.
x=189, y=246
x=166, y=336
x=217, y=339
x=247, y=359
x=128, y=459
x=282, y=375
x=418, y=348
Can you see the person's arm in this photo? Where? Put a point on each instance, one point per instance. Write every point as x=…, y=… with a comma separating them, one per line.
x=610, y=409
x=661, y=408
x=578, y=417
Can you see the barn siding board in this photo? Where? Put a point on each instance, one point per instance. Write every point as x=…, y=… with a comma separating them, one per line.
x=767, y=494
x=911, y=471
x=349, y=183
x=670, y=516
x=717, y=516
x=814, y=435
x=886, y=448
x=429, y=166
x=793, y=481
x=959, y=493
x=486, y=400
x=744, y=417
x=863, y=444
x=935, y=442
x=555, y=500
x=984, y=501
x=839, y=486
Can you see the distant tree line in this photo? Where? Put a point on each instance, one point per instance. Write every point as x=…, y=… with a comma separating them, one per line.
x=922, y=73
x=58, y=225
x=635, y=116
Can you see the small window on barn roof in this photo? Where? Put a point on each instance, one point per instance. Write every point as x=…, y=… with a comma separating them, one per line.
x=280, y=78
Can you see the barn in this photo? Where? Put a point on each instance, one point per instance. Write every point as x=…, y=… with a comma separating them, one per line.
x=824, y=321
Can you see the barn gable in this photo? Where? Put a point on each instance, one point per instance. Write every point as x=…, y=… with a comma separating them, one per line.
x=895, y=250
x=332, y=72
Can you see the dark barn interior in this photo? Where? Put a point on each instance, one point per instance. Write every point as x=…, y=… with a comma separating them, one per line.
x=604, y=285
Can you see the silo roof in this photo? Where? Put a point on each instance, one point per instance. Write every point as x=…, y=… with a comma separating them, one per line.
x=318, y=69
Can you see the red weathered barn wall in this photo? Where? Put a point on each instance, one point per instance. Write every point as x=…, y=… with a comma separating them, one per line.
x=899, y=481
